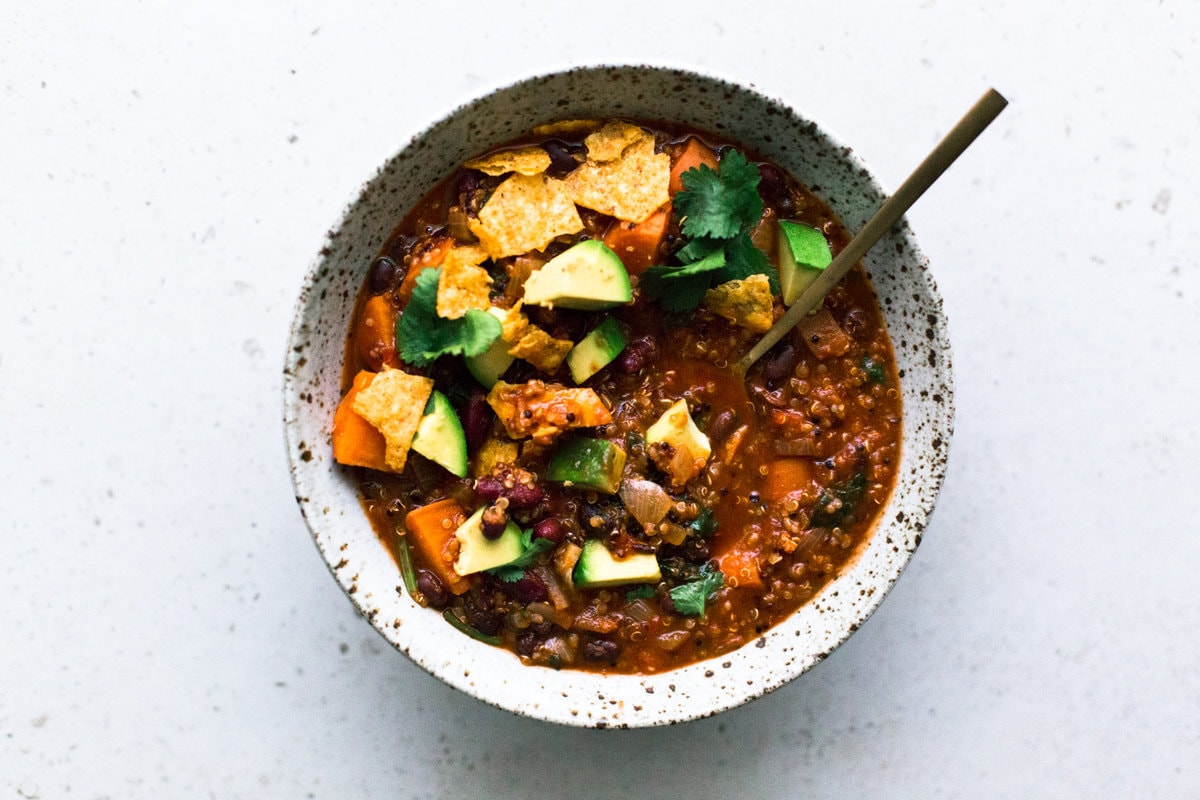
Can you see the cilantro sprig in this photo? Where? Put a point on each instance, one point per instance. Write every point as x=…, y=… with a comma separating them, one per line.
x=423, y=335
x=514, y=571
x=718, y=209
x=690, y=598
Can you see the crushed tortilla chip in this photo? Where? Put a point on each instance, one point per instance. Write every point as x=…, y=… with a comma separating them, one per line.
x=608, y=143
x=551, y=409
x=525, y=213
x=541, y=349
x=522, y=160
x=565, y=127
x=531, y=343
x=747, y=302
x=462, y=284
x=394, y=402
x=492, y=453
x=630, y=188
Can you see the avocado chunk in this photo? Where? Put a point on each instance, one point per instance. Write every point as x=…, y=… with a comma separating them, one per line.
x=597, y=567
x=588, y=277
x=595, y=464
x=676, y=428
x=803, y=255
x=476, y=552
x=490, y=365
x=596, y=350
x=439, y=435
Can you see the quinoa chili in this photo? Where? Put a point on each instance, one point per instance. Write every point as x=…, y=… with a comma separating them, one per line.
x=626, y=506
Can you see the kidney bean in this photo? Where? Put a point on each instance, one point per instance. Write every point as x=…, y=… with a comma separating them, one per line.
x=477, y=420
x=529, y=589
x=431, y=586
x=551, y=529
x=523, y=495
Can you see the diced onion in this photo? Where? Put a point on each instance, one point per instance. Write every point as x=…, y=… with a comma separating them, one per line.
x=646, y=500
x=795, y=447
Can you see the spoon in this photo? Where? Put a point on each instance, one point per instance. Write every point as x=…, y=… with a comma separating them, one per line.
x=960, y=137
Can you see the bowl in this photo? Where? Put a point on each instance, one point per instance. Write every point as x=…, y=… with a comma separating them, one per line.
x=327, y=493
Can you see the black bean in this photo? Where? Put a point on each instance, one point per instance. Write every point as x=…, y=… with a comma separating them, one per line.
x=636, y=355
x=383, y=275
x=431, y=586
x=773, y=189
x=526, y=643
x=479, y=614
x=781, y=363
x=601, y=650
x=722, y=425
x=562, y=156
x=494, y=520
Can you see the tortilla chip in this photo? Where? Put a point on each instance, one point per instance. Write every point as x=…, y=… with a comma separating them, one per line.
x=522, y=160
x=747, y=302
x=462, y=285
x=394, y=402
x=526, y=212
x=531, y=343
x=565, y=127
x=631, y=188
x=541, y=349
x=608, y=143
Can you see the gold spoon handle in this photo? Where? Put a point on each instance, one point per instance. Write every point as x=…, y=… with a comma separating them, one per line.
x=960, y=137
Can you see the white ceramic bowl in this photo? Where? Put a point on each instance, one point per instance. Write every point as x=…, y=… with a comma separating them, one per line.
x=327, y=494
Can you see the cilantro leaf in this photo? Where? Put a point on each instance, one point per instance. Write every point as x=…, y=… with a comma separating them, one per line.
x=690, y=598
x=743, y=259
x=423, y=336
x=514, y=570
x=681, y=288
x=643, y=592
x=720, y=202
x=705, y=524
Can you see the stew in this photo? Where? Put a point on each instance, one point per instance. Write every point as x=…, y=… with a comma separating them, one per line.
x=539, y=400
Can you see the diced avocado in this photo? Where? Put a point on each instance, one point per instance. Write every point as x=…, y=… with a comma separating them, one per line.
x=476, y=552
x=803, y=255
x=439, y=435
x=676, y=428
x=598, y=567
x=596, y=350
x=588, y=276
x=588, y=464
x=491, y=364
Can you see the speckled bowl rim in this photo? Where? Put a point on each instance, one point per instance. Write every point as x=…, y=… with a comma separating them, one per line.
x=328, y=499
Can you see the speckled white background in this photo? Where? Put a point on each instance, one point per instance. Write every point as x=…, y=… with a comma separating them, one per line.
x=168, y=629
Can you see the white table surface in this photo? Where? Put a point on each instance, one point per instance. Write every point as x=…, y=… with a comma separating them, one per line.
x=167, y=172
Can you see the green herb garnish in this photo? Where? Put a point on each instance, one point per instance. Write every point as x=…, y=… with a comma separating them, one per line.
x=514, y=571
x=643, y=592
x=705, y=524
x=423, y=335
x=718, y=208
x=690, y=598
x=875, y=371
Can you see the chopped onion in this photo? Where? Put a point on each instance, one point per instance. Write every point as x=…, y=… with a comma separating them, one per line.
x=557, y=597
x=795, y=447
x=640, y=610
x=646, y=500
